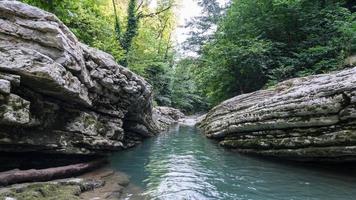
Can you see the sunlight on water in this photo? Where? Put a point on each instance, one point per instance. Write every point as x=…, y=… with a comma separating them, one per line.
x=182, y=164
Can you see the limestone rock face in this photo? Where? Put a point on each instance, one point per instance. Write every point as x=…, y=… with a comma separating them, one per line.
x=309, y=119
x=60, y=96
x=166, y=116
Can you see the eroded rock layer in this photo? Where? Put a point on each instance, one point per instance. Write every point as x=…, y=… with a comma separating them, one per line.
x=310, y=119
x=167, y=116
x=60, y=96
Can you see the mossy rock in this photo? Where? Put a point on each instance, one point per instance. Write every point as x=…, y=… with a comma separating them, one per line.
x=45, y=191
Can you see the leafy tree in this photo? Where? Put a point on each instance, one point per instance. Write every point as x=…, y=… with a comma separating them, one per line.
x=249, y=45
x=134, y=16
x=261, y=42
x=185, y=93
x=158, y=75
x=202, y=26
x=137, y=36
x=90, y=20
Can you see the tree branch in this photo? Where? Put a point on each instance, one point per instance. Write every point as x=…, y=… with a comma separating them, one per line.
x=160, y=33
x=140, y=15
x=139, y=6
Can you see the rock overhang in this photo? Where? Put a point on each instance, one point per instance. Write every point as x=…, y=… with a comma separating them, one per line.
x=58, y=95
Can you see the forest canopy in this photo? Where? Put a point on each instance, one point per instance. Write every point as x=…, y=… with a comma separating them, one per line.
x=261, y=42
x=238, y=47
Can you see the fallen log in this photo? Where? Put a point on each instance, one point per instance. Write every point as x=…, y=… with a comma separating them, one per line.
x=37, y=175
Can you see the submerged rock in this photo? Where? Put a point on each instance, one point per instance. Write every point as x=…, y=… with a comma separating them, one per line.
x=60, y=96
x=309, y=119
x=115, y=184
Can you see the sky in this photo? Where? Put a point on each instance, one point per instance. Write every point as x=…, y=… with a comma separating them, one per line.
x=185, y=10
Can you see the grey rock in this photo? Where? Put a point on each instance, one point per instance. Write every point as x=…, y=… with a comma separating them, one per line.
x=60, y=96
x=61, y=189
x=167, y=116
x=309, y=119
x=115, y=184
x=5, y=86
x=14, y=79
x=351, y=60
x=14, y=111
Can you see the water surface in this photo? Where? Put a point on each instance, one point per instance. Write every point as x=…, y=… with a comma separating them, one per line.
x=182, y=164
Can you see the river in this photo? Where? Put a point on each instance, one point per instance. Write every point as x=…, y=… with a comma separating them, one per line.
x=181, y=164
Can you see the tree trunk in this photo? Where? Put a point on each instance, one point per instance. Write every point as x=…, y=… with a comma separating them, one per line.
x=34, y=175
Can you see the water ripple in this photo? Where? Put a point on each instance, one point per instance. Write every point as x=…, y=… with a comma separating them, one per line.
x=182, y=164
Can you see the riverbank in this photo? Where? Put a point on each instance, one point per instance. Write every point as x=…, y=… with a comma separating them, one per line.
x=103, y=183
x=182, y=163
x=99, y=181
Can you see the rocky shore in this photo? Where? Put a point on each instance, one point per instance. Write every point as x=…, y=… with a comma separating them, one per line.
x=63, y=104
x=103, y=183
x=60, y=96
x=306, y=119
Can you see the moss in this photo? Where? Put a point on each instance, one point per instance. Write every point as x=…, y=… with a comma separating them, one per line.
x=89, y=120
x=16, y=102
x=45, y=191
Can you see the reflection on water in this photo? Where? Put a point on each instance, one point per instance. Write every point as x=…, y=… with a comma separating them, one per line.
x=182, y=164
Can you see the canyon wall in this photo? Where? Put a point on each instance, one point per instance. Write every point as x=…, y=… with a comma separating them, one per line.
x=308, y=119
x=60, y=96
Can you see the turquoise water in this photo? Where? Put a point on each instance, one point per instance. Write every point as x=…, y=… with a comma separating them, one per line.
x=182, y=164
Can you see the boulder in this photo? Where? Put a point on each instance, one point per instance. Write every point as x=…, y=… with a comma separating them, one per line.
x=62, y=189
x=60, y=96
x=102, y=183
x=167, y=116
x=308, y=119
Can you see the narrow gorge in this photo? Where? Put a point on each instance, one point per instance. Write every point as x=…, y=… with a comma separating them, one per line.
x=76, y=124
x=61, y=96
x=65, y=103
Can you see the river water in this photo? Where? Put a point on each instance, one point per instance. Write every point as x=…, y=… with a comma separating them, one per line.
x=182, y=164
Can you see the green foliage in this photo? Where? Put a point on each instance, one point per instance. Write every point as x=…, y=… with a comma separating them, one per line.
x=87, y=19
x=147, y=43
x=201, y=26
x=185, y=93
x=132, y=26
x=137, y=36
x=135, y=14
x=261, y=42
x=158, y=75
x=257, y=43
x=125, y=38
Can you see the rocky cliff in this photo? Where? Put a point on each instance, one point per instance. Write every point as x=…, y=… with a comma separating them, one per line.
x=60, y=96
x=309, y=119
